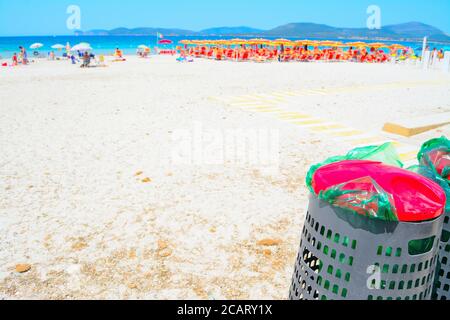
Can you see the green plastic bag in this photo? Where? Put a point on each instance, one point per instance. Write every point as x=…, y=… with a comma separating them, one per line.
x=435, y=154
x=385, y=153
x=362, y=196
x=434, y=159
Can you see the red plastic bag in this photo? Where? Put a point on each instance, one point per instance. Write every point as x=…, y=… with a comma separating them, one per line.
x=402, y=195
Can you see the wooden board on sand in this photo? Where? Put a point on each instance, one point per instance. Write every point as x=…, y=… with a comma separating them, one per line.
x=412, y=127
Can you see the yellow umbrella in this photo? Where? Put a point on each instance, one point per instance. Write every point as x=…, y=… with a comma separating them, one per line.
x=356, y=44
x=397, y=46
x=258, y=41
x=309, y=42
x=284, y=42
x=239, y=41
x=328, y=43
x=377, y=45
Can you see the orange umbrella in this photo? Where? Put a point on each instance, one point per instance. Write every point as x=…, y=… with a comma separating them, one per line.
x=283, y=41
x=308, y=42
x=186, y=42
x=258, y=41
x=330, y=43
x=356, y=44
x=397, y=46
x=377, y=45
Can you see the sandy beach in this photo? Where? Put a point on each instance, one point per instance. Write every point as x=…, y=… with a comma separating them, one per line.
x=91, y=198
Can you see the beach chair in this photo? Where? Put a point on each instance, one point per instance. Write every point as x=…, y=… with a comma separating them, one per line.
x=101, y=61
x=244, y=57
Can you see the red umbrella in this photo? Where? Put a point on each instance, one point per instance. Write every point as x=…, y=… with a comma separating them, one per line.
x=165, y=41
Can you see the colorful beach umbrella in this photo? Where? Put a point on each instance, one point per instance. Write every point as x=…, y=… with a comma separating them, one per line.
x=165, y=41
x=84, y=46
x=397, y=46
x=284, y=41
x=328, y=43
x=377, y=45
x=58, y=46
x=142, y=46
x=36, y=46
x=356, y=44
x=307, y=43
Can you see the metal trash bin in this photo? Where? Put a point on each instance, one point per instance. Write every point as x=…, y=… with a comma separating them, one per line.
x=434, y=160
x=339, y=250
x=442, y=283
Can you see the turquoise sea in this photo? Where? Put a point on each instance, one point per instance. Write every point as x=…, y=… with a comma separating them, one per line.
x=128, y=44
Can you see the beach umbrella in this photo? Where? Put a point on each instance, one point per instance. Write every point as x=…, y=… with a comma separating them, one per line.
x=328, y=43
x=82, y=47
x=307, y=43
x=36, y=46
x=165, y=41
x=238, y=41
x=143, y=47
x=397, y=46
x=356, y=44
x=377, y=45
x=258, y=41
x=58, y=46
x=283, y=41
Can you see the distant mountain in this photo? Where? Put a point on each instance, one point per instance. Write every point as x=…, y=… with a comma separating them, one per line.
x=301, y=30
x=406, y=31
x=398, y=32
x=413, y=29
x=225, y=31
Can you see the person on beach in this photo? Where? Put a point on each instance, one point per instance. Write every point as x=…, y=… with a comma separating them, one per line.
x=86, y=60
x=73, y=59
x=15, y=60
x=19, y=57
x=434, y=56
x=118, y=53
x=23, y=56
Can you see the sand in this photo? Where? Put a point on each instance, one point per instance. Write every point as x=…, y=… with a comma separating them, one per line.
x=92, y=201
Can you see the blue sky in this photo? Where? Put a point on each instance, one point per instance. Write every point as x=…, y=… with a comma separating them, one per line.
x=48, y=17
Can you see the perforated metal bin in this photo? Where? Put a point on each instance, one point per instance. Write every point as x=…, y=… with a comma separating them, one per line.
x=344, y=256
x=442, y=284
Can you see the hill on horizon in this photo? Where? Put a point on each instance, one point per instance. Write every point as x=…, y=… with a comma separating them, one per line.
x=403, y=31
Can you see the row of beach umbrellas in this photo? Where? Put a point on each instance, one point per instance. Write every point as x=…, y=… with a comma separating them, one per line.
x=286, y=42
x=83, y=46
